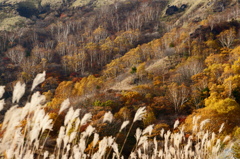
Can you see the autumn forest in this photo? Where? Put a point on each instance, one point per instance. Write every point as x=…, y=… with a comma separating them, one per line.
x=156, y=69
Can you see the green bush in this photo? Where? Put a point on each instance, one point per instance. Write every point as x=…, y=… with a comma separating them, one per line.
x=134, y=70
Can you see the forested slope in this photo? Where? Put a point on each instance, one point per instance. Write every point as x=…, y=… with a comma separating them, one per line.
x=178, y=60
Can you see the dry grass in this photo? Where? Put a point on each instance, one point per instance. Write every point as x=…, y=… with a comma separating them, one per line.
x=11, y=23
x=25, y=132
x=97, y=3
x=53, y=3
x=163, y=62
x=124, y=84
x=81, y=3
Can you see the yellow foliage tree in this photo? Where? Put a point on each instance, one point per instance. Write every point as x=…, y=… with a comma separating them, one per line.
x=141, y=72
x=87, y=85
x=63, y=91
x=75, y=62
x=100, y=33
x=149, y=117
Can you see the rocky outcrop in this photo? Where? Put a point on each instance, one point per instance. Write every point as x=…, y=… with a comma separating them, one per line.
x=174, y=9
x=171, y=10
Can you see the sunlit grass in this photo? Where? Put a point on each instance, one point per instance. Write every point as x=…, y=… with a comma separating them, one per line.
x=26, y=130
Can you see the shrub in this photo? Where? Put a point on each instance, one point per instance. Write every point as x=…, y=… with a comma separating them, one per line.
x=133, y=70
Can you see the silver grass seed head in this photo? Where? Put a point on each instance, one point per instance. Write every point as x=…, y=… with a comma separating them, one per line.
x=108, y=117
x=221, y=128
x=115, y=149
x=65, y=141
x=46, y=123
x=142, y=140
x=148, y=130
x=124, y=124
x=203, y=123
x=102, y=146
x=18, y=91
x=52, y=156
x=76, y=114
x=176, y=124
x=2, y=91
x=140, y=114
x=38, y=79
x=2, y=103
x=138, y=134
x=68, y=116
x=65, y=104
x=110, y=140
x=227, y=138
x=139, y=152
x=95, y=139
x=89, y=131
x=86, y=118
x=45, y=155
x=76, y=152
x=133, y=155
x=36, y=100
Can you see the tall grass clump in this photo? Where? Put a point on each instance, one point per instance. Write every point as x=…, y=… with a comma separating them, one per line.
x=25, y=133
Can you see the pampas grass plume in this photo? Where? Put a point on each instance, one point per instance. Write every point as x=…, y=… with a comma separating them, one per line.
x=176, y=124
x=115, y=149
x=61, y=135
x=2, y=103
x=2, y=90
x=110, y=140
x=65, y=141
x=227, y=138
x=138, y=134
x=45, y=155
x=89, y=131
x=221, y=128
x=203, y=123
x=36, y=100
x=133, y=155
x=25, y=140
x=142, y=140
x=140, y=114
x=124, y=124
x=95, y=139
x=65, y=104
x=38, y=79
x=72, y=136
x=18, y=92
x=102, y=146
x=68, y=116
x=76, y=113
x=46, y=123
x=108, y=117
x=213, y=136
x=162, y=132
x=76, y=152
x=87, y=117
x=148, y=130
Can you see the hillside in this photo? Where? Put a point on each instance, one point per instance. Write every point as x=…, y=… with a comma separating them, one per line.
x=136, y=79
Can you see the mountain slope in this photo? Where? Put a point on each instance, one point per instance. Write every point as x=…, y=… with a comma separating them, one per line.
x=174, y=61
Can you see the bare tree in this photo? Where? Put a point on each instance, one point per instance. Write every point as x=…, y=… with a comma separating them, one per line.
x=28, y=66
x=16, y=54
x=178, y=95
x=4, y=41
x=227, y=37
